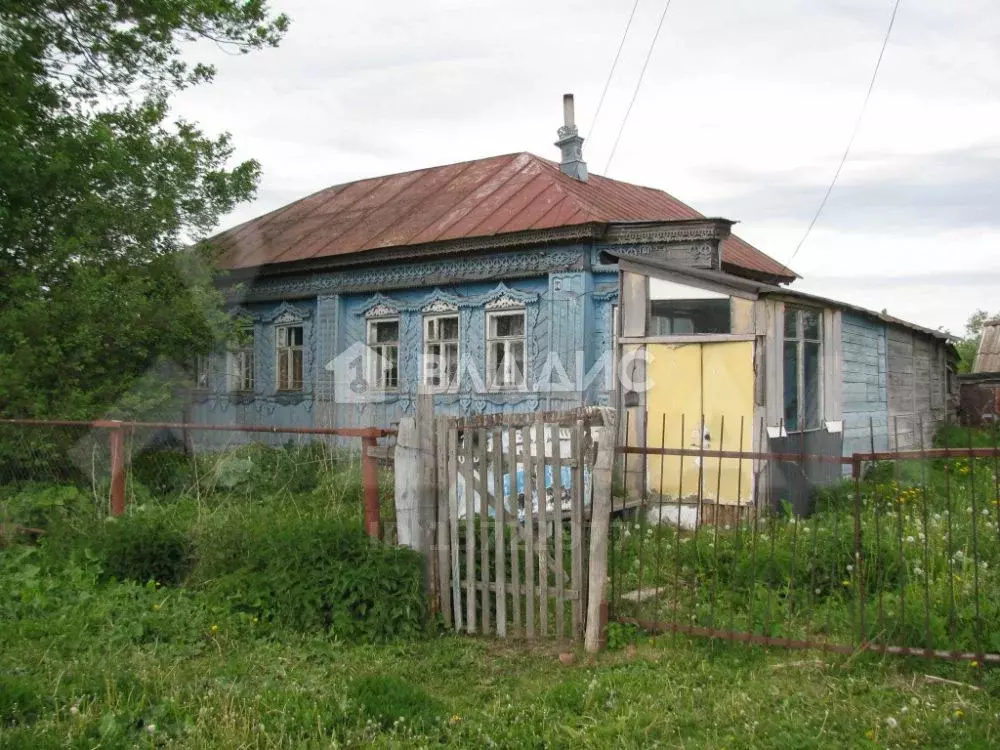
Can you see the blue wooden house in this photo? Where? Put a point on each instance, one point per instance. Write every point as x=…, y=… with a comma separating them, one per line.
x=496, y=284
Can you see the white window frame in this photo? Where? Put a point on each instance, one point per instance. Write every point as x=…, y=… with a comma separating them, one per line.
x=376, y=373
x=241, y=361
x=288, y=377
x=428, y=322
x=491, y=370
x=800, y=341
x=202, y=372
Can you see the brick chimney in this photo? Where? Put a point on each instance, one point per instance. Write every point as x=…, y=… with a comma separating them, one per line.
x=571, y=144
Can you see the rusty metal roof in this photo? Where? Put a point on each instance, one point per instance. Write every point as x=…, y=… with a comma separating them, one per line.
x=988, y=354
x=482, y=198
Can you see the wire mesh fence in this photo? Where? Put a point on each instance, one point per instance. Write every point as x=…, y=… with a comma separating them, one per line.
x=107, y=467
x=901, y=555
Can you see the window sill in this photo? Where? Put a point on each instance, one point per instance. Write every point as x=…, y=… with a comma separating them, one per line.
x=241, y=397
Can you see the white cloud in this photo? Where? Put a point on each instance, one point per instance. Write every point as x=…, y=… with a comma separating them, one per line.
x=745, y=110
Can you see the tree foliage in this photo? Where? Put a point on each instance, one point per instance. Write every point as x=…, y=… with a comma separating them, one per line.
x=102, y=191
x=969, y=344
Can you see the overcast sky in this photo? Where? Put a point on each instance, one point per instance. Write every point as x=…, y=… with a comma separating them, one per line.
x=744, y=112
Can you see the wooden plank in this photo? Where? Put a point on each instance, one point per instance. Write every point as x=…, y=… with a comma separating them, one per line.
x=599, y=528
x=484, y=532
x=529, y=538
x=576, y=527
x=443, y=516
x=542, y=546
x=470, y=533
x=456, y=573
x=557, y=530
x=499, y=527
x=515, y=546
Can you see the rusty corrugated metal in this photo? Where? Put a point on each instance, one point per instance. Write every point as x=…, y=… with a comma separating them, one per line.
x=988, y=355
x=481, y=198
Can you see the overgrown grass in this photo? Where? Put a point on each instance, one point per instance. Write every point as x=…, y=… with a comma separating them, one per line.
x=926, y=576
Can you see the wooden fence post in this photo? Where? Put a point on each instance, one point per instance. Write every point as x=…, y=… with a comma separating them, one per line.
x=369, y=481
x=600, y=523
x=116, y=445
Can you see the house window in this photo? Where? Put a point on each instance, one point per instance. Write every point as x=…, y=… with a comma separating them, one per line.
x=441, y=351
x=803, y=368
x=202, y=372
x=383, y=354
x=241, y=362
x=289, y=350
x=505, y=349
x=682, y=310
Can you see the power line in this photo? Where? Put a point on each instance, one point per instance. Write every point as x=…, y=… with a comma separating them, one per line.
x=638, y=84
x=854, y=133
x=607, y=83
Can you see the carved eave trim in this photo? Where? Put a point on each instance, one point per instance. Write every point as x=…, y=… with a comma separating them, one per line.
x=693, y=230
x=286, y=314
x=417, y=273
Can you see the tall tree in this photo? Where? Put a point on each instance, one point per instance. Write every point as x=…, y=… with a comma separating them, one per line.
x=101, y=191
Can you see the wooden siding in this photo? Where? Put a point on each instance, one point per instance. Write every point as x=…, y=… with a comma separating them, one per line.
x=916, y=387
x=864, y=392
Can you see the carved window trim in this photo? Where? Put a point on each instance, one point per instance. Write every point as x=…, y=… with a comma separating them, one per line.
x=382, y=356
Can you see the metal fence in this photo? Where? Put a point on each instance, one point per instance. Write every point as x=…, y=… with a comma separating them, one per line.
x=900, y=555
x=49, y=462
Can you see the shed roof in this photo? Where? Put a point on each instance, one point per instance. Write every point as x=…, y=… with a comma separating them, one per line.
x=482, y=198
x=653, y=266
x=988, y=354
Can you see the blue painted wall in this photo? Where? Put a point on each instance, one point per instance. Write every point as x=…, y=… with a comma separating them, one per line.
x=568, y=325
x=864, y=388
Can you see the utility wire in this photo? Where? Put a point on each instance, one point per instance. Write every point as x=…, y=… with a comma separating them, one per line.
x=607, y=83
x=854, y=133
x=638, y=84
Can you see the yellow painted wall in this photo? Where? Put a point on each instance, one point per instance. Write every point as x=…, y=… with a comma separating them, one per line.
x=690, y=380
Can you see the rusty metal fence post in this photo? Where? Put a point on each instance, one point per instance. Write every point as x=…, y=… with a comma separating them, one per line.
x=369, y=481
x=116, y=445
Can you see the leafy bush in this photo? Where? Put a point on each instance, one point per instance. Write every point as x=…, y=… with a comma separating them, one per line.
x=314, y=574
x=145, y=547
x=38, y=505
x=386, y=700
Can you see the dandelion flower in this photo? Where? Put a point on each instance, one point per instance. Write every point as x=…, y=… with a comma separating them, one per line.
x=910, y=539
x=215, y=628
x=151, y=728
x=74, y=710
x=850, y=568
x=454, y=719
x=973, y=663
x=870, y=734
x=891, y=723
x=959, y=713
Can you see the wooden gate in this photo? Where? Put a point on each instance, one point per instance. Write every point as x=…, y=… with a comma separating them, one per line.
x=516, y=490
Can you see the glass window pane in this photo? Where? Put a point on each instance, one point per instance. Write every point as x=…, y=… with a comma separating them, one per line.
x=811, y=385
x=791, y=386
x=681, y=317
x=810, y=324
x=387, y=330
x=283, y=369
x=791, y=323
x=517, y=354
x=295, y=336
x=297, y=369
x=282, y=337
x=449, y=328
